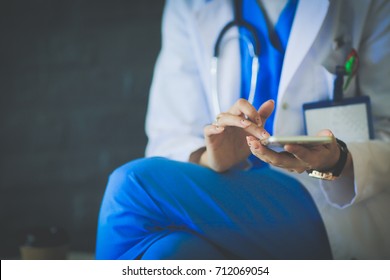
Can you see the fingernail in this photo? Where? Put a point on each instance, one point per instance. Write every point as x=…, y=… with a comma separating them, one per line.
x=245, y=122
x=264, y=134
x=258, y=121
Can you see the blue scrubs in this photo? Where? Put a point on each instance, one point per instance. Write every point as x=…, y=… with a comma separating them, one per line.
x=156, y=208
x=273, y=43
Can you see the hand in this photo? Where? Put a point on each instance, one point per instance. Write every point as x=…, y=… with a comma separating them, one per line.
x=226, y=138
x=299, y=158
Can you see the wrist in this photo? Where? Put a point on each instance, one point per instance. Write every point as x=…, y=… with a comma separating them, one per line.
x=203, y=160
x=337, y=169
x=196, y=157
x=200, y=157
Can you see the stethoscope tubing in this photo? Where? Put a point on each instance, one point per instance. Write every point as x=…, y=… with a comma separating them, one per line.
x=254, y=50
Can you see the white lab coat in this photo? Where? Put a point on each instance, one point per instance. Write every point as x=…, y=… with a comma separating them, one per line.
x=358, y=224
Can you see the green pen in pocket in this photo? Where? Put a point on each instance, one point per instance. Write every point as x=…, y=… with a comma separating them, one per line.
x=351, y=66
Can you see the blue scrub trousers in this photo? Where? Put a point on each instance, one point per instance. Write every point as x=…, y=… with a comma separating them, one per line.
x=156, y=208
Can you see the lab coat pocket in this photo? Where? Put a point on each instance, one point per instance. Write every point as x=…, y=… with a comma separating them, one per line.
x=338, y=57
x=349, y=87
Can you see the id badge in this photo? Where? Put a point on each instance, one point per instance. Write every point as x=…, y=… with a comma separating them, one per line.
x=349, y=119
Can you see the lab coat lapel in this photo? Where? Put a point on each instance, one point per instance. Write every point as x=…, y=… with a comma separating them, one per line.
x=308, y=20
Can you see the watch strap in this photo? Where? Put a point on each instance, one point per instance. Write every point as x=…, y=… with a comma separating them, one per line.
x=338, y=168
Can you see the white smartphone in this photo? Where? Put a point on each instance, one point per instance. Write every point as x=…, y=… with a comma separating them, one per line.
x=301, y=140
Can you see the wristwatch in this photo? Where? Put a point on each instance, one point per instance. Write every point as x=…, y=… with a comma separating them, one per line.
x=335, y=172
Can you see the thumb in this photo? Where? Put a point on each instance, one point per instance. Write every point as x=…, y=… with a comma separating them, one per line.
x=325, y=132
x=266, y=110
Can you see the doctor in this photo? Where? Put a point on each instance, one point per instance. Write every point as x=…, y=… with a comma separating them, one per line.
x=228, y=204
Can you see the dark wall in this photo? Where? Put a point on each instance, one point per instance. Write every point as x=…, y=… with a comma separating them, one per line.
x=74, y=82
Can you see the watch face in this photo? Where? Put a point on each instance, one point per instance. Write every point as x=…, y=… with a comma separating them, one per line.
x=322, y=175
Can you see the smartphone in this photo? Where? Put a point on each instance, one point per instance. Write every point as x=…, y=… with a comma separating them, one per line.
x=301, y=140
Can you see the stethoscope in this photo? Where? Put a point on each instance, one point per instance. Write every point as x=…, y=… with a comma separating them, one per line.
x=253, y=45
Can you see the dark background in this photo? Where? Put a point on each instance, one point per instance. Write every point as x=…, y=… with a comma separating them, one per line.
x=74, y=83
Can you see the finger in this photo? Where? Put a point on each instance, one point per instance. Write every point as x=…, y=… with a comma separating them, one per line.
x=243, y=108
x=302, y=153
x=212, y=129
x=283, y=160
x=259, y=132
x=305, y=152
x=227, y=119
x=316, y=156
x=266, y=110
x=325, y=132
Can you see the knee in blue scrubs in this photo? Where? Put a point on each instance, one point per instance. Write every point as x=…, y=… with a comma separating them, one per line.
x=156, y=208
